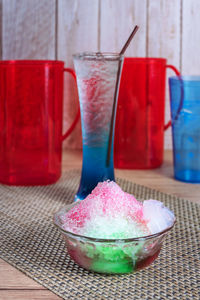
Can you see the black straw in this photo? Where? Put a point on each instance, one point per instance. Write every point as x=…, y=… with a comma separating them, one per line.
x=129, y=40
x=113, y=114
x=116, y=93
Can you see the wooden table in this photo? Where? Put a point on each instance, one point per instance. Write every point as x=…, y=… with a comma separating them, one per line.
x=15, y=285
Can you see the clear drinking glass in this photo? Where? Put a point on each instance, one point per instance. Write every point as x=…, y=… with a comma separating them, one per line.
x=185, y=98
x=98, y=77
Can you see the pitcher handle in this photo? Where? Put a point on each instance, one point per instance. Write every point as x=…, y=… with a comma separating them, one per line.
x=169, y=123
x=77, y=117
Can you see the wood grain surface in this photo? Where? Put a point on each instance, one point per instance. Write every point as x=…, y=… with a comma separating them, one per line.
x=28, y=29
x=117, y=20
x=190, y=42
x=77, y=32
x=17, y=286
x=164, y=33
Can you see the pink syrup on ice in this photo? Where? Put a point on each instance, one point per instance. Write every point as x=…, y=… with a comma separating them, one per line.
x=109, y=212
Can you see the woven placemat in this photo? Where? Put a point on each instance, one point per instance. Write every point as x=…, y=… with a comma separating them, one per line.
x=30, y=242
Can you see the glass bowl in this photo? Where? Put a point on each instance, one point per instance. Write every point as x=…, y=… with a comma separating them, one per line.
x=112, y=256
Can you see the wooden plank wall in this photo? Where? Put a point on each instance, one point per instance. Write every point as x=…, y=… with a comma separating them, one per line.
x=55, y=29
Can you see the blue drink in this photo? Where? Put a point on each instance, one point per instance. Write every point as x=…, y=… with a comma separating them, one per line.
x=94, y=169
x=186, y=127
x=96, y=78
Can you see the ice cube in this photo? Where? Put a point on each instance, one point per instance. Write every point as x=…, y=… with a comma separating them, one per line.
x=157, y=216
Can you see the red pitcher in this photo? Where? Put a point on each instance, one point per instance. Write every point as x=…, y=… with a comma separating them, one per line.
x=31, y=115
x=139, y=131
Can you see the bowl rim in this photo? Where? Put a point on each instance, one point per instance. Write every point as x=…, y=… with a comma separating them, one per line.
x=92, y=239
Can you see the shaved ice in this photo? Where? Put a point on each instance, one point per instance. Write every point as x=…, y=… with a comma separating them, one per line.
x=157, y=216
x=110, y=213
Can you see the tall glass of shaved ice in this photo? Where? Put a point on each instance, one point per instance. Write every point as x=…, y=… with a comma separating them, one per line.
x=97, y=79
